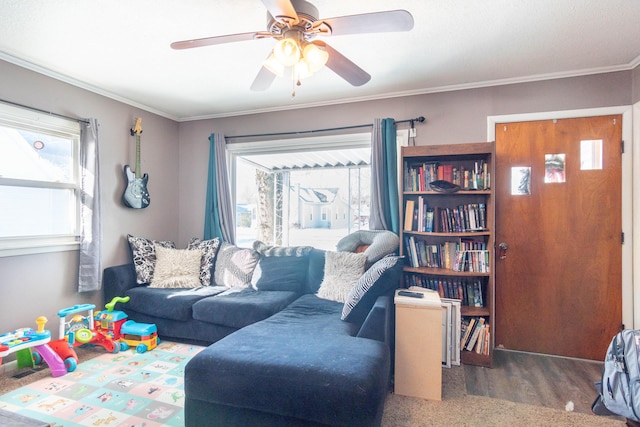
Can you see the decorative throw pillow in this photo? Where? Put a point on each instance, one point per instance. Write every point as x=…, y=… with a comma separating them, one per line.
x=281, y=268
x=176, y=268
x=381, y=278
x=235, y=266
x=377, y=243
x=341, y=272
x=209, y=250
x=144, y=256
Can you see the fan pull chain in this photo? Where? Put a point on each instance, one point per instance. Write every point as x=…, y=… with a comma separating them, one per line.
x=293, y=86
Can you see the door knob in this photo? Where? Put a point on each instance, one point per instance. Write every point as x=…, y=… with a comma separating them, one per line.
x=502, y=250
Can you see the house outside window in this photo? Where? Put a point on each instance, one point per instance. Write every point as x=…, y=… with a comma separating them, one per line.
x=306, y=180
x=39, y=182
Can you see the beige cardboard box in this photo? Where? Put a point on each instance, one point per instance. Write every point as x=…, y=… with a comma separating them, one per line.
x=418, y=355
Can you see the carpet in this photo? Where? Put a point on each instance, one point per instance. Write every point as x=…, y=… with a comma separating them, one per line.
x=456, y=408
x=123, y=389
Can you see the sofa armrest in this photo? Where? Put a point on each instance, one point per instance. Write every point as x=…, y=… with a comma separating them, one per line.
x=378, y=324
x=117, y=280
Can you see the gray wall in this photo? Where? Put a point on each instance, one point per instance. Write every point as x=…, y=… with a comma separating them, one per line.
x=42, y=284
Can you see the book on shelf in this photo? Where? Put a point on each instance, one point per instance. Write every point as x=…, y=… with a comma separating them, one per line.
x=482, y=346
x=417, y=215
x=476, y=335
x=408, y=215
x=462, y=218
x=462, y=255
x=467, y=325
x=429, y=220
x=418, y=176
x=466, y=289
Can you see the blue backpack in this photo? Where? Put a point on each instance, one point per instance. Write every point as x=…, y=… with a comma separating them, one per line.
x=619, y=388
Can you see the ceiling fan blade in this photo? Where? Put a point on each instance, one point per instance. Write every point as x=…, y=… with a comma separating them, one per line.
x=375, y=22
x=343, y=66
x=282, y=10
x=208, y=41
x=263, y=80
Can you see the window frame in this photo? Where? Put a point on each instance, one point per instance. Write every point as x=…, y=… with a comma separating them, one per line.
x=35, y=121
x=313, y=143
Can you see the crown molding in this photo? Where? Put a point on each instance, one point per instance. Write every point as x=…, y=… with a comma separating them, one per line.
x=423, y=91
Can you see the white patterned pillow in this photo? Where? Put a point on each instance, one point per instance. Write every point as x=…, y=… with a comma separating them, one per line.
x=144, y=256
x=380, y=279
x=209, y=250
x=341, y=272
x=176, y=268
x=234, y=266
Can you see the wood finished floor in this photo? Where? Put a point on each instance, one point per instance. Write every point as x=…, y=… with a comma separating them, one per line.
x=536, y=380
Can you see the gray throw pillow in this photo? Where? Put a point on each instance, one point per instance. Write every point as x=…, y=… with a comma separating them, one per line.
x=234, y=266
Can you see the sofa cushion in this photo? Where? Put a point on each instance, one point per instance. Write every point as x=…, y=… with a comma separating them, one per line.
x=341, y=272
x=301, y=363
x=283, y=273
x=209, y=250
x=234, y=266
x=281, y=268
x=241, y=307
x=176, y=268
x=315, y=275
x=175, y=304
x=143, y=252
x=380, y=279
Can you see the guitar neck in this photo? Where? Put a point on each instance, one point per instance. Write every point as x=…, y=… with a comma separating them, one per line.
x=138, y=173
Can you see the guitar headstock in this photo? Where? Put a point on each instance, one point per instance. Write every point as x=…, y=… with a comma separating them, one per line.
x=137, y=129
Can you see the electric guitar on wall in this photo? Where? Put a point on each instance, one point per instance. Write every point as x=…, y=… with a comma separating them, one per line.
x=136, y=195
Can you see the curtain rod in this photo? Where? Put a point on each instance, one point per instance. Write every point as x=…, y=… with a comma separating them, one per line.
x=420, y=119
x=75, y=119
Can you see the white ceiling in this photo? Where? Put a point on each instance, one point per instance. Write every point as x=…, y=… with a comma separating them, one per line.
x=120, y=48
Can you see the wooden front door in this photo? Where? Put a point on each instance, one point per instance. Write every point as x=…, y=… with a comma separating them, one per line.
x=559, y=282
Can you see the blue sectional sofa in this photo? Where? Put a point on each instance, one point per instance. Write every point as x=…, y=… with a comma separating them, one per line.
x=277, y=354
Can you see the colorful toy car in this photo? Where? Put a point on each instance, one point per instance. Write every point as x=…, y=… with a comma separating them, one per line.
x=108, y=328
x=142, y=336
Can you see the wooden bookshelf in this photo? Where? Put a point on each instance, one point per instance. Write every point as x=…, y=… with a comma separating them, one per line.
x=453, y=252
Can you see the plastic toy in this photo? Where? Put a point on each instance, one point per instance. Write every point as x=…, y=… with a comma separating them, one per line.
x=21, y=341
x=66, y=352
x=141, y=336
x=110, y=321
x=80, y=329
x=114, y=323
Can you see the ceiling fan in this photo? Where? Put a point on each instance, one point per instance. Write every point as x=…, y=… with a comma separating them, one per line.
x=295, y=25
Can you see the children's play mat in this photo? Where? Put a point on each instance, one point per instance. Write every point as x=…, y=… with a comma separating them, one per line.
x=122, y=389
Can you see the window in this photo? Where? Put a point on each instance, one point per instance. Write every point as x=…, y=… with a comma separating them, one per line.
x=291, y=187
x=39, y=158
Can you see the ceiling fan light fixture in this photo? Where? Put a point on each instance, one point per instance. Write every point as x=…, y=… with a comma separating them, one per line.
x=315, y=57
x=302, y=70
x=287, y=51
x=274, y=65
